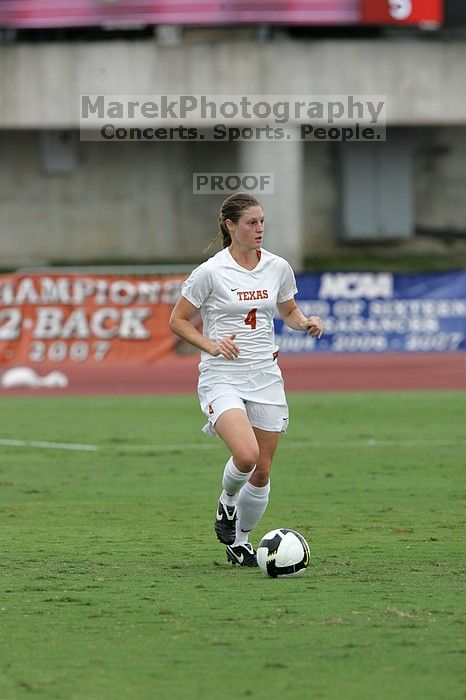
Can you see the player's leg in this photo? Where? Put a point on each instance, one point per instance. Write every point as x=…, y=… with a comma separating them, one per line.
x=254, y=496
x=234, y=428
x=228, y=420
x=268, y=443
x=269, y=421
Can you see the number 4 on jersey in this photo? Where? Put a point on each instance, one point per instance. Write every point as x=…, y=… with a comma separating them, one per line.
x=251, y=320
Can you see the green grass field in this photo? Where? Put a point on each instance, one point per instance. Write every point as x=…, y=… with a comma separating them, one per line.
x=114, y=586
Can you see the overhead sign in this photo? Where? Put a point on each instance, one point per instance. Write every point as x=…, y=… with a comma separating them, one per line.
x=418, y=12
x=83, y=13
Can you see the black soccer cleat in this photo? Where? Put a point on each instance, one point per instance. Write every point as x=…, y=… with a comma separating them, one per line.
x=225, y=523
x=242, y=554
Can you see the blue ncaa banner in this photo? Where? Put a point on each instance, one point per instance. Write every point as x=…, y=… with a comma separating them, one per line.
x=380, y=312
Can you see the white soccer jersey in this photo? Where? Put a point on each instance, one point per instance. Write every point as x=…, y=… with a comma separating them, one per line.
x=235, y=300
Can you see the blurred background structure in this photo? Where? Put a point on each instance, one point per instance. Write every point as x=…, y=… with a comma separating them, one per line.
x=67, y=200
x=390, y=206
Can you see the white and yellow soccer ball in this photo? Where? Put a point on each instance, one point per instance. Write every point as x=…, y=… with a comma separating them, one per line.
x=283, y=553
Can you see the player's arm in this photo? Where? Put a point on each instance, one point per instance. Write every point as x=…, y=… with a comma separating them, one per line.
x=181, y=324
x=295, y=319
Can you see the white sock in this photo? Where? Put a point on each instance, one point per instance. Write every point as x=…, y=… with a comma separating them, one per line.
x=233, y=481
x=252, y=502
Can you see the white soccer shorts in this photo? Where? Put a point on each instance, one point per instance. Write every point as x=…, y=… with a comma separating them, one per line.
x=260, y=393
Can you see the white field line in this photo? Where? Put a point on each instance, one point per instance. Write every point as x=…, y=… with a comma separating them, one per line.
x=286, y=443
x=47, y=445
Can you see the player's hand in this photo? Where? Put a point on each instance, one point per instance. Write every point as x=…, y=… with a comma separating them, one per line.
x=226, y=347
x=314, y=326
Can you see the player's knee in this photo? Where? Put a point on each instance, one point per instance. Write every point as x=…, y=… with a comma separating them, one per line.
x=246, y=458
x=261, y=475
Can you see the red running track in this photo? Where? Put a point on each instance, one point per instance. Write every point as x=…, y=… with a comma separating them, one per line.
x=348, y=372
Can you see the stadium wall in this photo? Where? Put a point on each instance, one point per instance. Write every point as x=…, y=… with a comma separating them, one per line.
x=134, y=201
x=40, y=84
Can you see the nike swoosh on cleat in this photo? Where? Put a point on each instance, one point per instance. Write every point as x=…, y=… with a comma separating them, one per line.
x=239, y=558
x=219, y=517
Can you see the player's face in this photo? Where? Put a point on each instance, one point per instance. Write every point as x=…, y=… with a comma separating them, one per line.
x=248, y=232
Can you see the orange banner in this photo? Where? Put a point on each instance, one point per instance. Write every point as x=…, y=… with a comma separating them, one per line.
x=78, y=318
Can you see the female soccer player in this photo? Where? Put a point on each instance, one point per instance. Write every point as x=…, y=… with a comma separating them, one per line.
x=240, y=385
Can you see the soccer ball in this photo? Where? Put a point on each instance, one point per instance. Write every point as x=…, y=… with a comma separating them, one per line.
x=283, y=553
